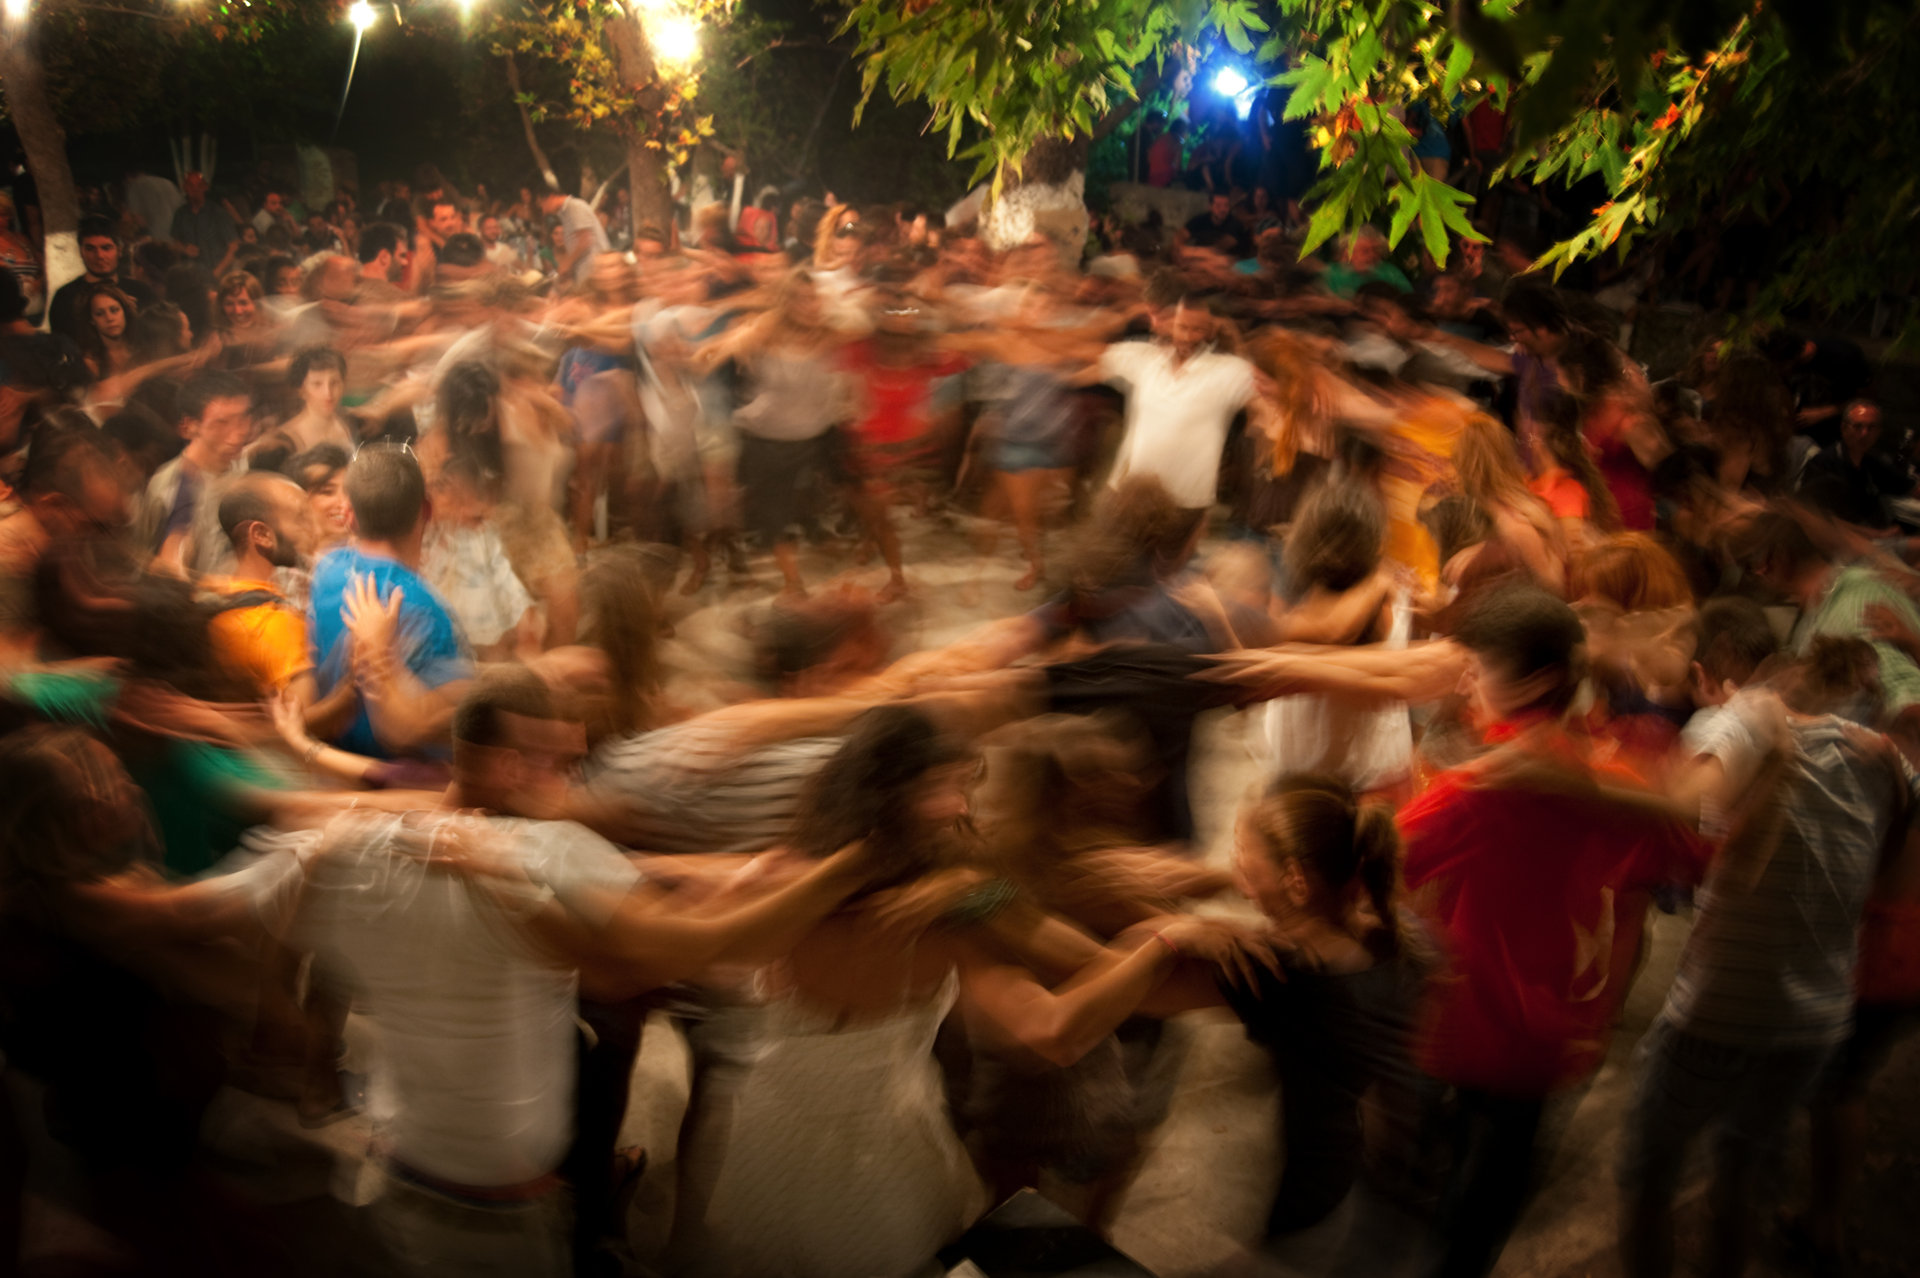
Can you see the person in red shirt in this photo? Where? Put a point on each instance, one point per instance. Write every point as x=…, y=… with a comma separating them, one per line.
x=1166, y=158
x=904, y=423
x=1538, y=901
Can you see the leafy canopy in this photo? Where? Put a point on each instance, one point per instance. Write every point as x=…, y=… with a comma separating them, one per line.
x=649, y=99
x=1680, y=111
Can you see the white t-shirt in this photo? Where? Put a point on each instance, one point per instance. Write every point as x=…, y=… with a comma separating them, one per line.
x=1177, y=416
x=576, y=215
x=476, y=1025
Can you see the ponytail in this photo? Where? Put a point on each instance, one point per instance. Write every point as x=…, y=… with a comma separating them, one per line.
x=1376, y=864
x=1319, y=822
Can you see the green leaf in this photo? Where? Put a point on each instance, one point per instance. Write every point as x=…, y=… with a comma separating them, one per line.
x=1407, y=206
x=1434, y=231
x=1309, y=81
x=1459, y=61
x=1325, y=223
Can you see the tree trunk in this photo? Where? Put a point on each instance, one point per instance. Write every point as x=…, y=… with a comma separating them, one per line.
x=1046, y=196
x=45, y=144
x=646, y=168
x=652, y=196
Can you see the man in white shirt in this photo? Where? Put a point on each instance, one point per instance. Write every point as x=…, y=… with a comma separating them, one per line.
x=466, y=940
x=585, y=237
x=1182, y=397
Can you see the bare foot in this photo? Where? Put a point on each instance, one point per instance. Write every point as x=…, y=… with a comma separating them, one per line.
x=695, y=581
x=894, y=590
x=792, y=592
x=1030, y=580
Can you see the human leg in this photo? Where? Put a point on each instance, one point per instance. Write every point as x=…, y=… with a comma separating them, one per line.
x=1747, y=1148
x=603, y=1080
x=1839, y=1116
x=871, y=506
x=1493, y=1178
x=1676, y=1096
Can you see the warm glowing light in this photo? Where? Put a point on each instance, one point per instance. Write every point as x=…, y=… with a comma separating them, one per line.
x=676, y=38
x=361, y=14
x=16, y=11
x=1228, y=82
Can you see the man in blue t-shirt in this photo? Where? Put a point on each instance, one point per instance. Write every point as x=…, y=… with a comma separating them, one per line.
x=415, y=663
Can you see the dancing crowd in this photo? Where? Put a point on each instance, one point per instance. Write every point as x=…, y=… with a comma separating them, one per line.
x=341, y=566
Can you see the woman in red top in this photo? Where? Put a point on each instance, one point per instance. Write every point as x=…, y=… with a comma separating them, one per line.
x=1622, y=431
x=1569, y=481
x=902, y=428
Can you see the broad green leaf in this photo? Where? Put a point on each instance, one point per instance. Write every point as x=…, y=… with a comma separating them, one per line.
x=1459, y=61
x=1406, y=207
x=1434, y=231
x=1321, y=227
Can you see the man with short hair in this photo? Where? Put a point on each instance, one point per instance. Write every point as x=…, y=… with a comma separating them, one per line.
x=403, y=650
x=585, y=237
x=267, y=521
x=466, y=940
x=1852, y=480
x=1182, y=397
x=203, y=229
x=1217, y=229
x=274, y=212
x=499, y=253
x=440, y=220
x=384, y=258
x=1540, y=948
x=100, y=252
x=1764, y=993
x=179, y=515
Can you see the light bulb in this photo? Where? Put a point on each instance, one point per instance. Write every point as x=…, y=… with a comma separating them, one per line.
x=675, y=38
x=361, y=14
x=1228, y=82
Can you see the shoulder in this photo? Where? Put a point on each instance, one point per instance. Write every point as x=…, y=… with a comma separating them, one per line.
x=1438, y=808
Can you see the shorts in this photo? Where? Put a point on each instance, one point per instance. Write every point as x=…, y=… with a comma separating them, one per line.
x=1016, y=455
x=603, y=405
x=778, y=480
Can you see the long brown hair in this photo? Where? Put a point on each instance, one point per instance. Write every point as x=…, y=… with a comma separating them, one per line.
x=1559, y=418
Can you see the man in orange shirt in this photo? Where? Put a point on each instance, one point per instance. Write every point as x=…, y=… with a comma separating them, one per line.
x=260, y=635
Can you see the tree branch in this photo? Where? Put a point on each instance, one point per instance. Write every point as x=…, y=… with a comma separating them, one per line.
x=526, y=122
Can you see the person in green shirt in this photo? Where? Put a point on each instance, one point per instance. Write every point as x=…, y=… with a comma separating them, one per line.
x=1364, y=262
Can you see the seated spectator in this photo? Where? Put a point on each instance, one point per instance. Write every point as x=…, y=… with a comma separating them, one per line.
x=100, y=251
x=1218, y=229
x=1851, y=480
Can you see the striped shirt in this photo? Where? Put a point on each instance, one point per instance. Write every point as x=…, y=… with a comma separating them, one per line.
x=690, y=788
x=1773, y=967
x=1842, y=611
